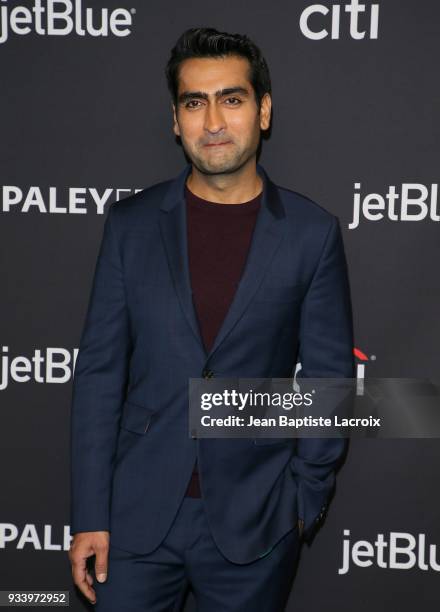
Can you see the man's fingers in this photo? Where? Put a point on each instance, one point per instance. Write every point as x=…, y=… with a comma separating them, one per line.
x=81, y=579
x=101, y=563
x=85, y=545
x=89, y=578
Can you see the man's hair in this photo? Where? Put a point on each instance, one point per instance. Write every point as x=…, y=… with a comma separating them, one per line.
x=208, y=42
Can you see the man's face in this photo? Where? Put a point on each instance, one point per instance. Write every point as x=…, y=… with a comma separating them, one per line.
x=217, y=117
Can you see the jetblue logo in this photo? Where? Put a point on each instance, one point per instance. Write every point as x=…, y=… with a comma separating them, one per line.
x=359, y=21
x=401, y=551
x=407, y=202
x=61, y=18
x=50, y=366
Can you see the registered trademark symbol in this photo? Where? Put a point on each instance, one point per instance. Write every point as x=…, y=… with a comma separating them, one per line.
x=373, y=357
x=133, y=11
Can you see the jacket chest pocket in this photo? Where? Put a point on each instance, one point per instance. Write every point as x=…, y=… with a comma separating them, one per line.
x=280, y=293
x=272, y=441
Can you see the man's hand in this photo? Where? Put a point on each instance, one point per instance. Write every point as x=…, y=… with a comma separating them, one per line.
x=300, y=527
x=84, y=545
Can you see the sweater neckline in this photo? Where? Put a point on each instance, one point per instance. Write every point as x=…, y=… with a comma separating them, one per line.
x=219, y=207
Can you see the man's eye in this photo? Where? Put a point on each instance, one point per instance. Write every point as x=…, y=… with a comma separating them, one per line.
x=233, y=101
x=192, y=104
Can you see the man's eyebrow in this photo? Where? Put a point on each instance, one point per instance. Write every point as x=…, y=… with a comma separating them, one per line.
x=189, y=95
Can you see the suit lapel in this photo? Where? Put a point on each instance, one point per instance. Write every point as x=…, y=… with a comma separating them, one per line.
x=174, y=236
x=265, y=240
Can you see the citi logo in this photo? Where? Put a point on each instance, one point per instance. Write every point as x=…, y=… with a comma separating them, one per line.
x=316, y=23
x=411, y=202
x=71, y=200
x=402, y=551
x=61, y=18
x=31, y=536
x=361, y=361
x=51, y=365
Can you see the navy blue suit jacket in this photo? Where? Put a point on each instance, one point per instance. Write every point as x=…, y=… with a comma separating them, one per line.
x=131, y=452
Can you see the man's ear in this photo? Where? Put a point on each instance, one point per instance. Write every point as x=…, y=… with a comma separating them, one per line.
x=265, y=111
x=175, y=123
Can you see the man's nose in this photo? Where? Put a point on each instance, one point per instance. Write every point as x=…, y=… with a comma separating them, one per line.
x=214, y=120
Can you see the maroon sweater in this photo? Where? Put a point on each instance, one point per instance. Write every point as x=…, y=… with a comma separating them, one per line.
x=219, y=236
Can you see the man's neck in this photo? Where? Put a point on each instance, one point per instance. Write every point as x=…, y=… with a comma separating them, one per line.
x=235, y=188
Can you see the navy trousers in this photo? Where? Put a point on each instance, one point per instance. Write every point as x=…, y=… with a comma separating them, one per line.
x=189, y=555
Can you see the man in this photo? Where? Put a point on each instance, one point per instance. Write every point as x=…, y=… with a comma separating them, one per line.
x=216, y=273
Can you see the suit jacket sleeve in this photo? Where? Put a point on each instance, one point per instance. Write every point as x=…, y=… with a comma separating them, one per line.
x=325, y=351
x=99, y=386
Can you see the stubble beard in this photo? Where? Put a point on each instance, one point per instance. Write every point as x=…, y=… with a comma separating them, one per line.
x=227, y=163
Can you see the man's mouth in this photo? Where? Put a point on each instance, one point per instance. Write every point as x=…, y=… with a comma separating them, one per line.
x=218, y=144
